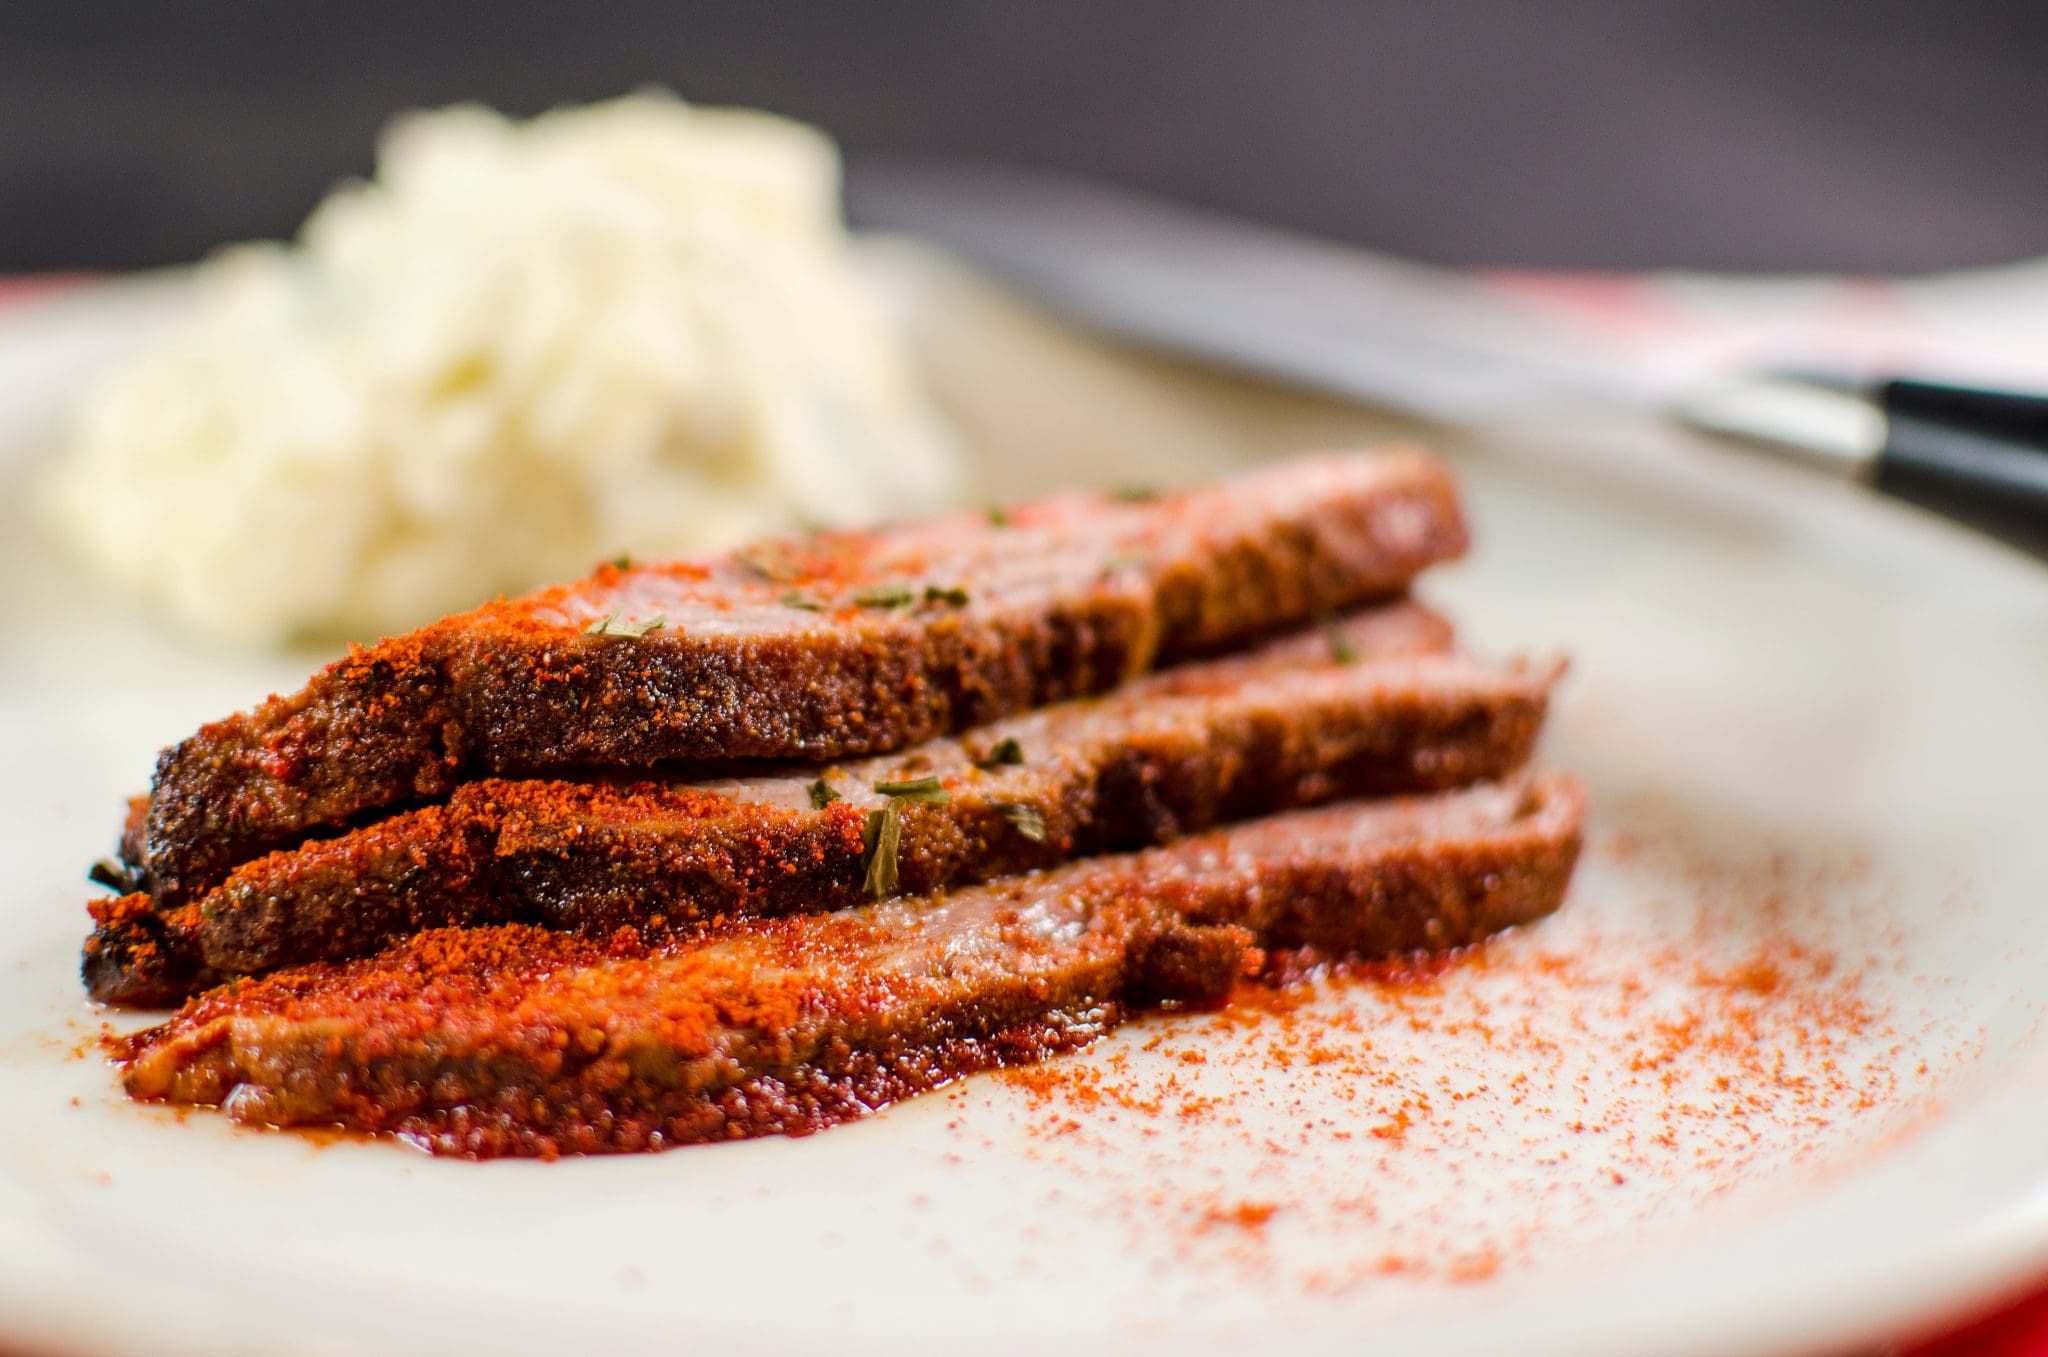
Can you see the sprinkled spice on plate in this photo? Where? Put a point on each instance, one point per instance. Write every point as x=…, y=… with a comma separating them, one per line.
x=1443, y=1121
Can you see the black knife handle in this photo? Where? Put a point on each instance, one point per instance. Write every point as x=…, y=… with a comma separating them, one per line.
x=1979, y=456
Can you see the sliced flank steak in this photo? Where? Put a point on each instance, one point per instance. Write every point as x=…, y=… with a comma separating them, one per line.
x=823, y=648
x=516, y=1040
x=1368, y=707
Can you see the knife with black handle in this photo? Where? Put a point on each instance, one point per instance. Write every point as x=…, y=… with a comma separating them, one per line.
x=1964, y=450
x=1433, y=343
x=1974, y=455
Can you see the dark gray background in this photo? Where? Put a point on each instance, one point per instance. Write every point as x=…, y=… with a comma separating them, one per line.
x=1539, y=132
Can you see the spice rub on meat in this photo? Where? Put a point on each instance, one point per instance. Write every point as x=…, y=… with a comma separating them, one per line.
x=828, y=647
x=520, y=1041
x=759, y=843
x=1288, y=725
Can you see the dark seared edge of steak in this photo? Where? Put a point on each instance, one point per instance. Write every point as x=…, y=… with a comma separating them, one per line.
x=1165, y=756
x=823, y=648
x=135, y=955
x=520, y=1041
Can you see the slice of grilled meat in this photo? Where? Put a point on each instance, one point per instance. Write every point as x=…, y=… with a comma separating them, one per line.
x=835, y=646
x=520, y=1041
x=1286, y=726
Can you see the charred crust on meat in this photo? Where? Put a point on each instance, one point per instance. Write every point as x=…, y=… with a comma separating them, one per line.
x=1201, y=745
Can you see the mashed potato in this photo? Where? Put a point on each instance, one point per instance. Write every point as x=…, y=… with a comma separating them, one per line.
x=520, y=349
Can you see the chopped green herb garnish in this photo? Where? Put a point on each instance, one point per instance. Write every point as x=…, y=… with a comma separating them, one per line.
x=758, y=563
x=916, y=789
x=1134, y=494
x=1005, y=753
x=793, y=599
x=884, y=834
x=934, y=594
x=610, y=625
x=885, y=596
x=1028, y=821
x=822, y=794
x=112, y=875
x=1341, y=648
x=998, y=517
x=622, y=561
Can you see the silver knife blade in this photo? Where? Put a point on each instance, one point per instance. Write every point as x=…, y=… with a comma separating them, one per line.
x=1410, y=338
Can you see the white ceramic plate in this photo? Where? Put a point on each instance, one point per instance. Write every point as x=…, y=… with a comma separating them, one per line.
x=1774, y=1079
